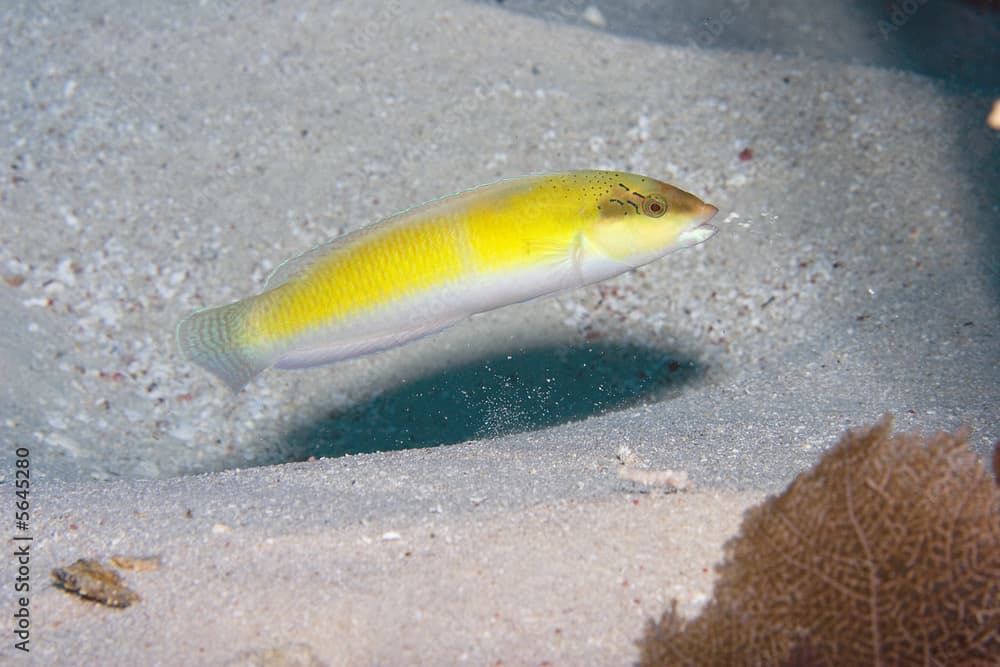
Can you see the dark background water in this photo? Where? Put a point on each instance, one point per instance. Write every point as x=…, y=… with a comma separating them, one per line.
x=948, y=39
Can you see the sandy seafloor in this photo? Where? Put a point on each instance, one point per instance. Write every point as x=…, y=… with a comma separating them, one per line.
x=466, y=504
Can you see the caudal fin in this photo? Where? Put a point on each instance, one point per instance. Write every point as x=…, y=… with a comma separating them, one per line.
x=216, y=339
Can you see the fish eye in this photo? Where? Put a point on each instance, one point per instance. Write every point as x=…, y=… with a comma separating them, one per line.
x=654, y=206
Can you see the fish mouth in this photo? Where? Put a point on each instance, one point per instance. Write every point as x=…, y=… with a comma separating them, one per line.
x=703, y=227
x=702, y=231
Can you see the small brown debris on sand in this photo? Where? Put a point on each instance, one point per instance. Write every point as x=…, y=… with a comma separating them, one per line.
x=93, y=581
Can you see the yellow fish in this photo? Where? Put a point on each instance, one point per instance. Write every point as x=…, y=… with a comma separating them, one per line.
x=424, y=269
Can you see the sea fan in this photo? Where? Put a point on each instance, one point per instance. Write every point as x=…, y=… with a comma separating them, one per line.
x=887, y=552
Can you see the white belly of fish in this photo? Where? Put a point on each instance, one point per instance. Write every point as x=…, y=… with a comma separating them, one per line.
x=430, y=311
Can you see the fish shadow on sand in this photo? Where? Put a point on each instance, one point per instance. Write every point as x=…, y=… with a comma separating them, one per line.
x=527, y=390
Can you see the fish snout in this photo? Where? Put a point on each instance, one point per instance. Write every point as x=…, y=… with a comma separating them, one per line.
x=707, y=213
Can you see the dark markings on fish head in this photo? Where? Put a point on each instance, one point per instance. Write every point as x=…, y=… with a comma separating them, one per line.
x=639, y=218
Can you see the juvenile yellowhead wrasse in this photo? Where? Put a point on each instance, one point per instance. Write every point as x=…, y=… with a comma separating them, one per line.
x=426, y=268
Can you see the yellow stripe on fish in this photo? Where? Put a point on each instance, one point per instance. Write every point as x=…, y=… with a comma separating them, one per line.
x=421, y=270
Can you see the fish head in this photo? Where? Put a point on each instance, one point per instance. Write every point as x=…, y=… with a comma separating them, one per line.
x=640, y=219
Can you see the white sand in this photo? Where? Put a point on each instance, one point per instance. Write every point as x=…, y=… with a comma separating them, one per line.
x=164, y=160
x=571, y=581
